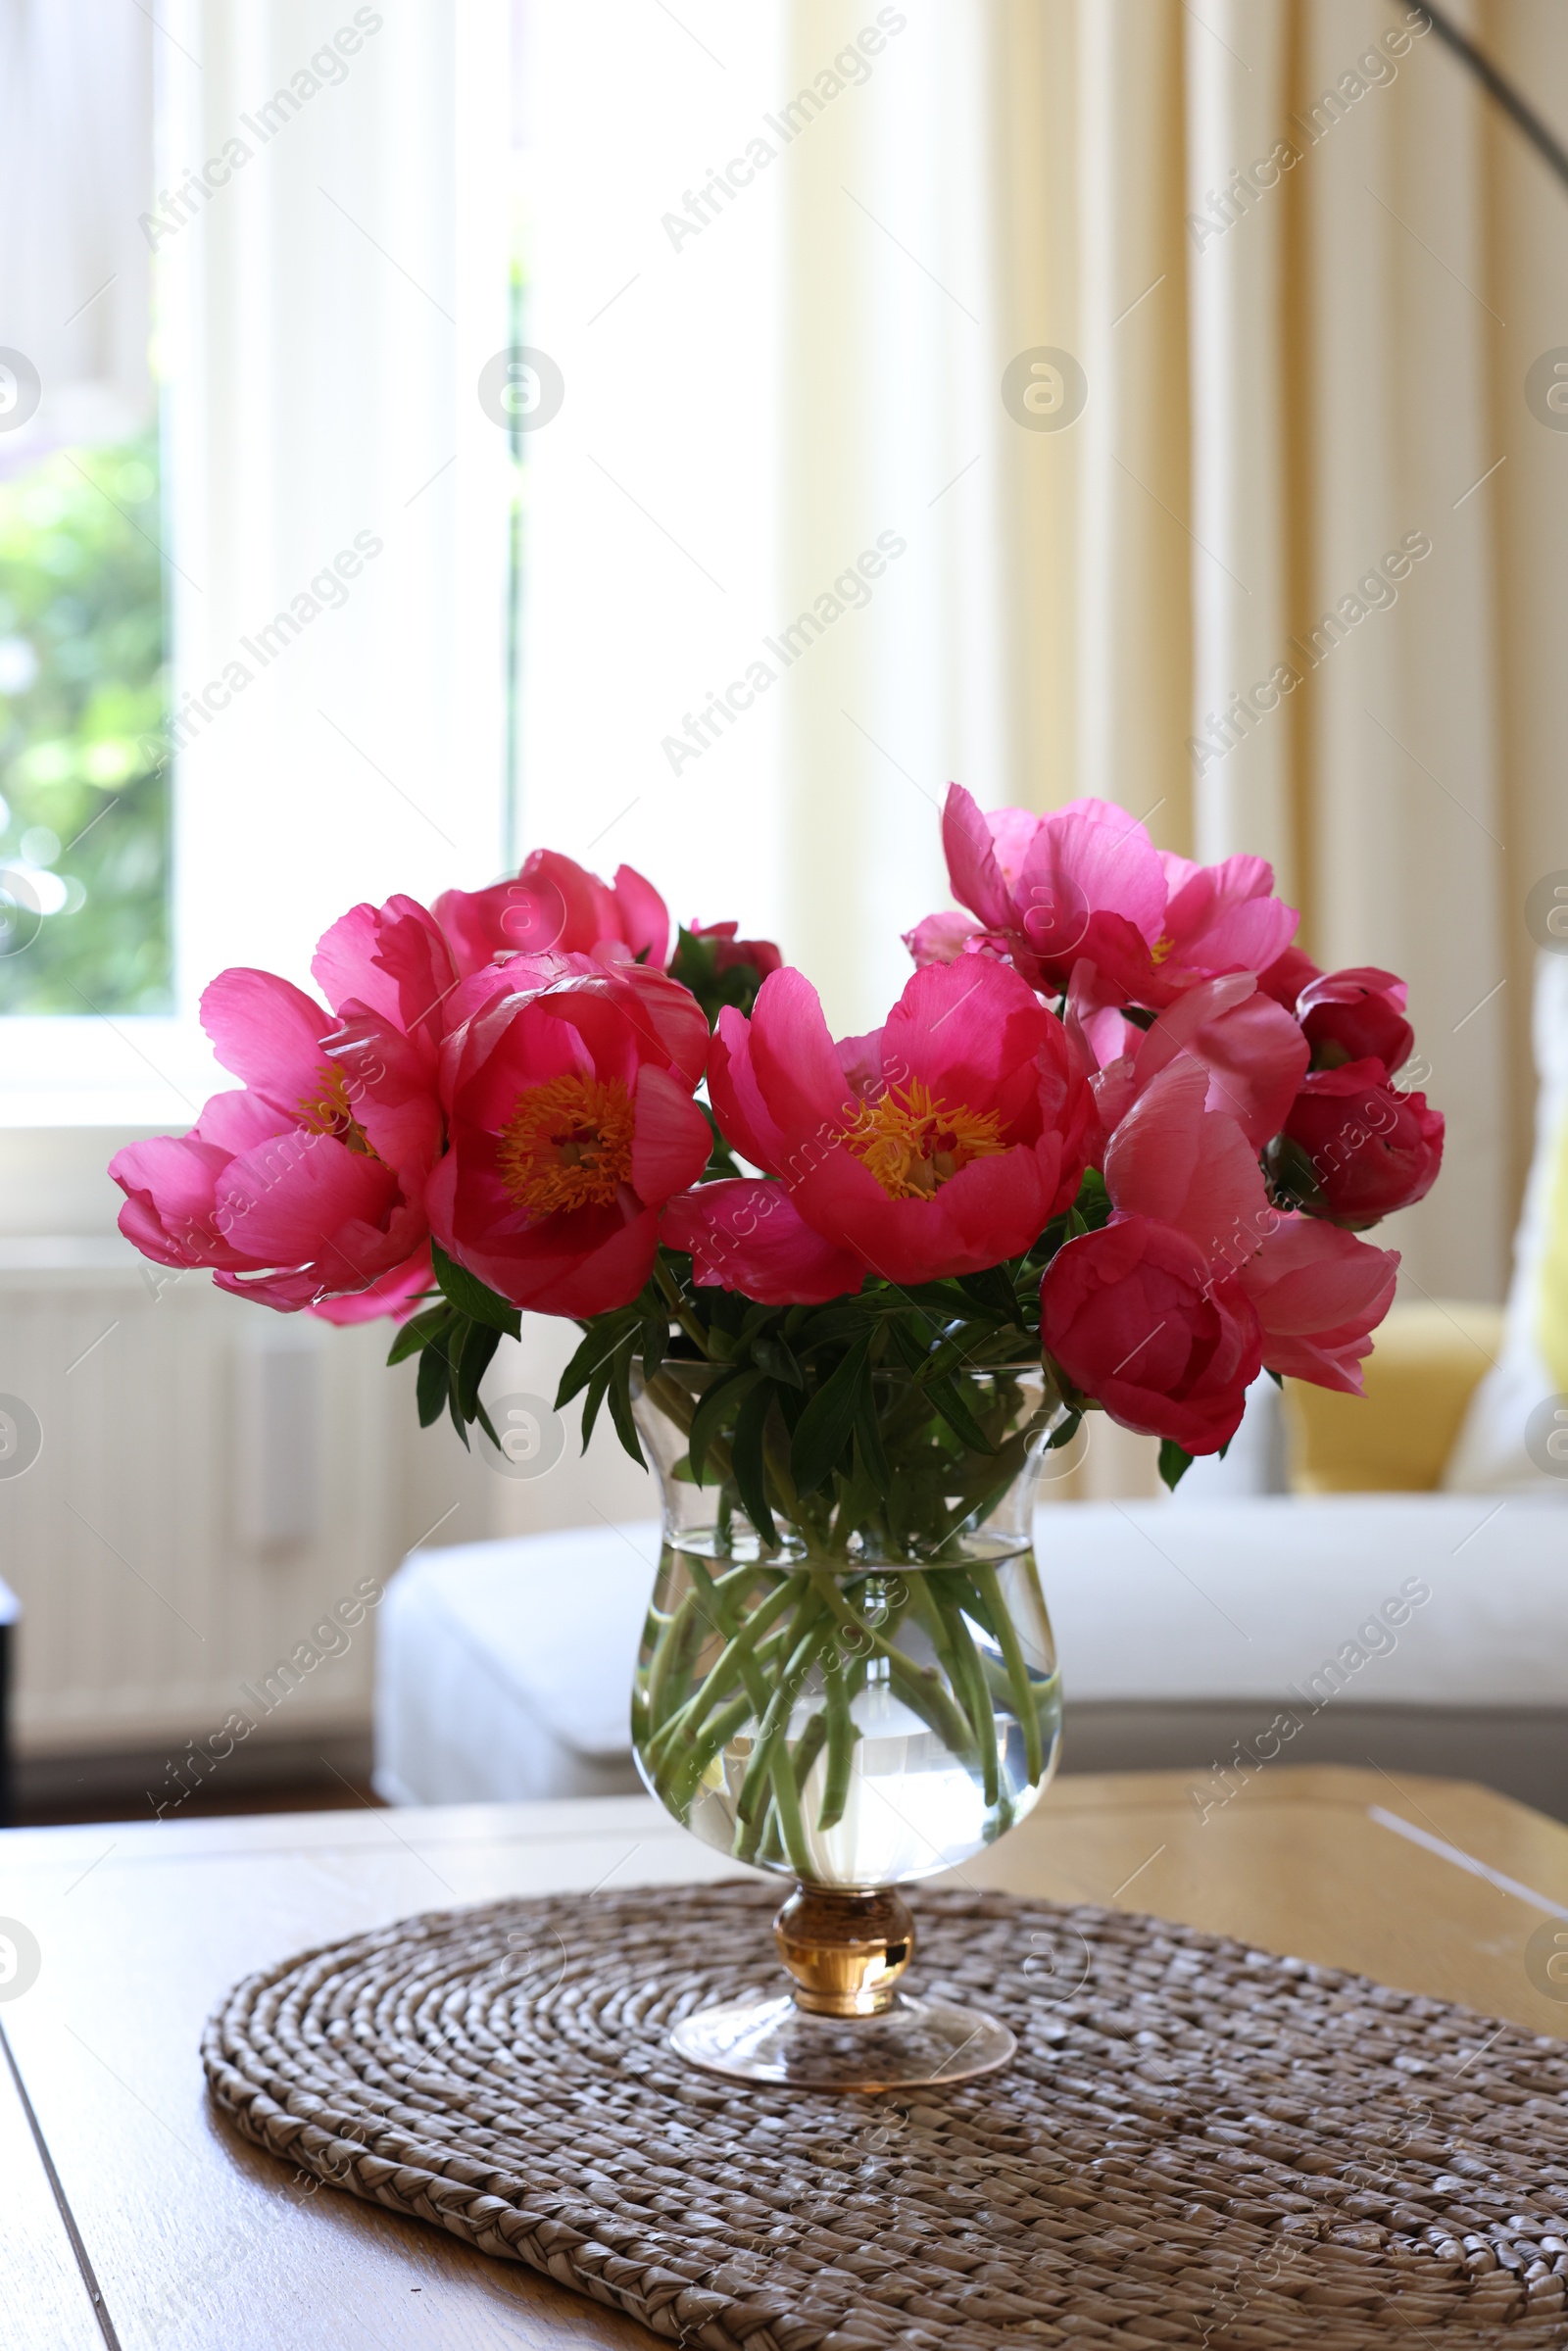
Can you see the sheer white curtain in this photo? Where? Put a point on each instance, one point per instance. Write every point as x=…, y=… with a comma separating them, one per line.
x=775, y=470
x=1287, y=377
x=331, y=278
x=75, y=170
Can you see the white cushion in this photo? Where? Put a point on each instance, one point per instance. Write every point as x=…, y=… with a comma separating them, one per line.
x=1488, y=1454
x=505, y=1668
x=1249, y=1599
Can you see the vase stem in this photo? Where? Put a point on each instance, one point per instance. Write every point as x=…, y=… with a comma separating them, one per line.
x=845, y=1952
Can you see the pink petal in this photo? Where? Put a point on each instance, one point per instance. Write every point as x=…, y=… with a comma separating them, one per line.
x=392, y=959
x=672, y=1140
x=1319, y=1294
x=267, y=1032
x=972, y=869
x=582, y=900
x=1013, y=832
x=940, y=938
x=792, y=1053
x=1172, y=1159
x=284, y=1205
x=1094, y=859
x=667, y=1018
x=960, y=1028
x=1254, y=1050
x=644, y=916
x=749, y=1236
x=394, y=1292
x=737, y=1098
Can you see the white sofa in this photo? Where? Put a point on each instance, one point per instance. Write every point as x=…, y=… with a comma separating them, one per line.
x=1190, y=1634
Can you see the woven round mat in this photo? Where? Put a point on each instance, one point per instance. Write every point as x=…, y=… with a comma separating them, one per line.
x=1196, y=2143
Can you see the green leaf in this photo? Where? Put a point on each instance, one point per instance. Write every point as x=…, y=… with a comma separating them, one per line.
x=433, y=1385
x=604, y=1335
x=911, y=1346
x=474, y=1358
x=591, y=1402
x=777, y=1358
x=745, y=1454
x=655, y=1344
x=453, y=1404
x=1065, y=1434
x=1174, y=1462
x=720, y=1399
x=830, y=1326
x=958, y=1415
x=473, y=1297
x=827, y=1421
x=419, y=1332
x=869, y=1438
x=993, y=1289
x=620, y=1402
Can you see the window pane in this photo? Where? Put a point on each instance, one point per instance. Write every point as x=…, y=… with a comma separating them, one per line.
x=84, y=853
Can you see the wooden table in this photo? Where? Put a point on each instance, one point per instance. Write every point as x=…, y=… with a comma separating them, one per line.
x=116, y=2177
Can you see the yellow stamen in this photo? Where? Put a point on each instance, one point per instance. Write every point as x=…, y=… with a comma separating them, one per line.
x=328, y=1112
x=568, y=1144
x=1161, y=949
x=912, y=1144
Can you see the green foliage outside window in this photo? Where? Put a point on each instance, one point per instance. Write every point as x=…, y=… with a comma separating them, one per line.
x=85, y=851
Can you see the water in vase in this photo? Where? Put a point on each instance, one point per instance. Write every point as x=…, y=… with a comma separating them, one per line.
x=852, y=1725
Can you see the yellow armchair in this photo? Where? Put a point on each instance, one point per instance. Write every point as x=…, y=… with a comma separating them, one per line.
x=1427, y=1360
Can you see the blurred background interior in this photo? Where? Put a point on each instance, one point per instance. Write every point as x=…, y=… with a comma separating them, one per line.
x=782, y=275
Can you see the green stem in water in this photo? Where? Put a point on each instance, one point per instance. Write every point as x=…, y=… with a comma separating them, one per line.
x=989, y=1587
x=842, y=1736
x=688, y=1720
x=678, y=1779
x=971, y=1684
x=776, y=1723
x=916, y=1684
x=671, y=1646
x=749, y=1844
x=742, y=1638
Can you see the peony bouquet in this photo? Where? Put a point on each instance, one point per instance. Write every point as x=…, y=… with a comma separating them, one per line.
x=1112, y=1149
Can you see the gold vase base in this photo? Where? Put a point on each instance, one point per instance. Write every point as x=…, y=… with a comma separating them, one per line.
x=907, y=2045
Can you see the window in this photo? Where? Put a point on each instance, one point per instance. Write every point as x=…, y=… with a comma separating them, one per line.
x=84, y=848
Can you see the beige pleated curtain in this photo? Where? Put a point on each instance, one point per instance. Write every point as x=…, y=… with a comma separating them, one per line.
x=1307, y=399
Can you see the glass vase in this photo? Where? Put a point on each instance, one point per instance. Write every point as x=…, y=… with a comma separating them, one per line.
x=863, y=1694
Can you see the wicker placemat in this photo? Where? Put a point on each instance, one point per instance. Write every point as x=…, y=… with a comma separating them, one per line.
x=1198, y=2142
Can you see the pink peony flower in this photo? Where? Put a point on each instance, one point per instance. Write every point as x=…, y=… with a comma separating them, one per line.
x=747, y=1235
x=307, y=1189
x=940, y=1143
x=555, y=905
x=1134, y=1316
x=1355, y=1016
x=1319, y=1294
x=1371, y=1149
x=573, y=1124
x=1086, y=884
x=729, y=951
